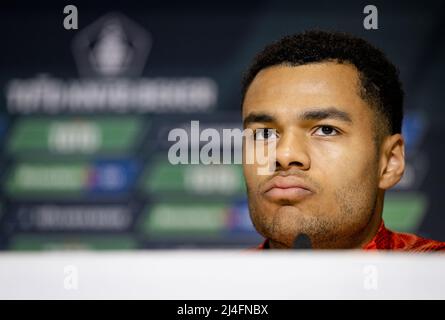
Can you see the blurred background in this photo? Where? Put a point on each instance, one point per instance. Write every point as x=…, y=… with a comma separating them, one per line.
x=85, y=116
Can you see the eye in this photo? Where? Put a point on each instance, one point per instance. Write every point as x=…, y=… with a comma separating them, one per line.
x=265, y=134
x=326, y=131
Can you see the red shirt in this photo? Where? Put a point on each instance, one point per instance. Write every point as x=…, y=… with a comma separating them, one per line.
x=388, y=240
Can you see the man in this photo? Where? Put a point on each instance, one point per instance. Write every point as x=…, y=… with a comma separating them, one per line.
x=333, y=105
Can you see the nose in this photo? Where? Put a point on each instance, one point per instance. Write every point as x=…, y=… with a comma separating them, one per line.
x=291, y=151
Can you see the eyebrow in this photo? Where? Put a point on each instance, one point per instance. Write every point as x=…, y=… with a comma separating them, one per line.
x=314, y=114
x=258, y=117
x=325, y=113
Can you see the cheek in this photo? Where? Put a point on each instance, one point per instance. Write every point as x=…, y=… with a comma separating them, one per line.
x=340, y=164
x=252, y=178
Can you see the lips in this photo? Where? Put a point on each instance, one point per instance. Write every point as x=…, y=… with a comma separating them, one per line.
x=288, y=188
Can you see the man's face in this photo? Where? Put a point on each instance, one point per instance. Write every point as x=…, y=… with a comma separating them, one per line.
x=326, y=179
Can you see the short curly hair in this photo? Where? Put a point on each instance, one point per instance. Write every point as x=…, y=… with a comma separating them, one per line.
x=380, y=83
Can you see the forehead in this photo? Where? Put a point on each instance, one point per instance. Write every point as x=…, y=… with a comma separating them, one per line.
x=282, y=90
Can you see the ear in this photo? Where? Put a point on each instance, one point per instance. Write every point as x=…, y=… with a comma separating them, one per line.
x=392, y=161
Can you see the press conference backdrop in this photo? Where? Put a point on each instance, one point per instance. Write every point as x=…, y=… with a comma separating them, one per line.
x=85, y=117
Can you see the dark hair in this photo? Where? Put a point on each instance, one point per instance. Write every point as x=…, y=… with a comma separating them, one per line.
x=380, y=84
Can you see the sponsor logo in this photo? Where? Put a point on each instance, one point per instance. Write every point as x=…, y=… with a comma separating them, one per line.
x=195, y=219
x=79, y=135
x=404, y=211
x=72, y=242
x=73, y=217
x=110, y=54
x=198, y=180
x=112, y=46
x=68, y=179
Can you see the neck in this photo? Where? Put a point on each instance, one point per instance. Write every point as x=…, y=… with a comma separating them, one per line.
x=374, y=224
x=369, y=232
